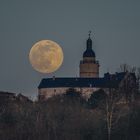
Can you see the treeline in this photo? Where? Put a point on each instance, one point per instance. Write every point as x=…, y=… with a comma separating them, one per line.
x=70, y=117
x=109, y=114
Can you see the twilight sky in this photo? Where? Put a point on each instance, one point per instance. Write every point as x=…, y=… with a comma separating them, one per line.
x=114, y=23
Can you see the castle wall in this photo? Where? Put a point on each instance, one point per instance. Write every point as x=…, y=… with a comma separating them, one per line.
x=45, y=93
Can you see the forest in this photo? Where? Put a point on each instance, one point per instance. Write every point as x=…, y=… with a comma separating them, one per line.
x=109, y=114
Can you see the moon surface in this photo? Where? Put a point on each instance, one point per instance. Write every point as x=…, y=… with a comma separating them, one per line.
x=46, y=56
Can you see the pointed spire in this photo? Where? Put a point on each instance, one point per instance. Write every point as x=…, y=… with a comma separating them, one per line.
x=89, y=41
x=89, y=34
x=89, y=52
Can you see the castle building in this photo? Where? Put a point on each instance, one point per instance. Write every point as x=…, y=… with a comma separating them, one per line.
x=87, y=82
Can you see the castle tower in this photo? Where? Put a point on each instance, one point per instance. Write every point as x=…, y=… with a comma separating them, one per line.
x=89, y=67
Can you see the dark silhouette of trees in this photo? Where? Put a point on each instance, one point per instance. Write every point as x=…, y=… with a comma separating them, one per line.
x=107, y=115
x=97, y=99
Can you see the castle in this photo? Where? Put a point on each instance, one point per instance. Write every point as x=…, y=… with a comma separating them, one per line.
x=87, y=82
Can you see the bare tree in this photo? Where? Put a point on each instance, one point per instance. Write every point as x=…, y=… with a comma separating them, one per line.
x=2, y=109
x=113, y=110
x=127, y=68
x=111, y=102
x=138, y=78
x=124, y=67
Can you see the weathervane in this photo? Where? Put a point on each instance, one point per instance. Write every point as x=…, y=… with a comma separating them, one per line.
x=89, y=33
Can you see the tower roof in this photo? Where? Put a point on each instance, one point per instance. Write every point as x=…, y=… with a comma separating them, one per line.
x=89, y=52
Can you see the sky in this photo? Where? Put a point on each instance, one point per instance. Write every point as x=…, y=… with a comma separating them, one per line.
x=115, y=26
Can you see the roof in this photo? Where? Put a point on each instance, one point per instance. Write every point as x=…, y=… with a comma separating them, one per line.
x=89, y=53
x=108, y=80
x=2, y=93
x=23, y=98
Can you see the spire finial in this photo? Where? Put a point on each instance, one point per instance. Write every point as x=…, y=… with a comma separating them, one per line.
x=89, y=41
x=89, y=34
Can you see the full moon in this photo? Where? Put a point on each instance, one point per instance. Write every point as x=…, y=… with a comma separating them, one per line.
x=46, y=56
